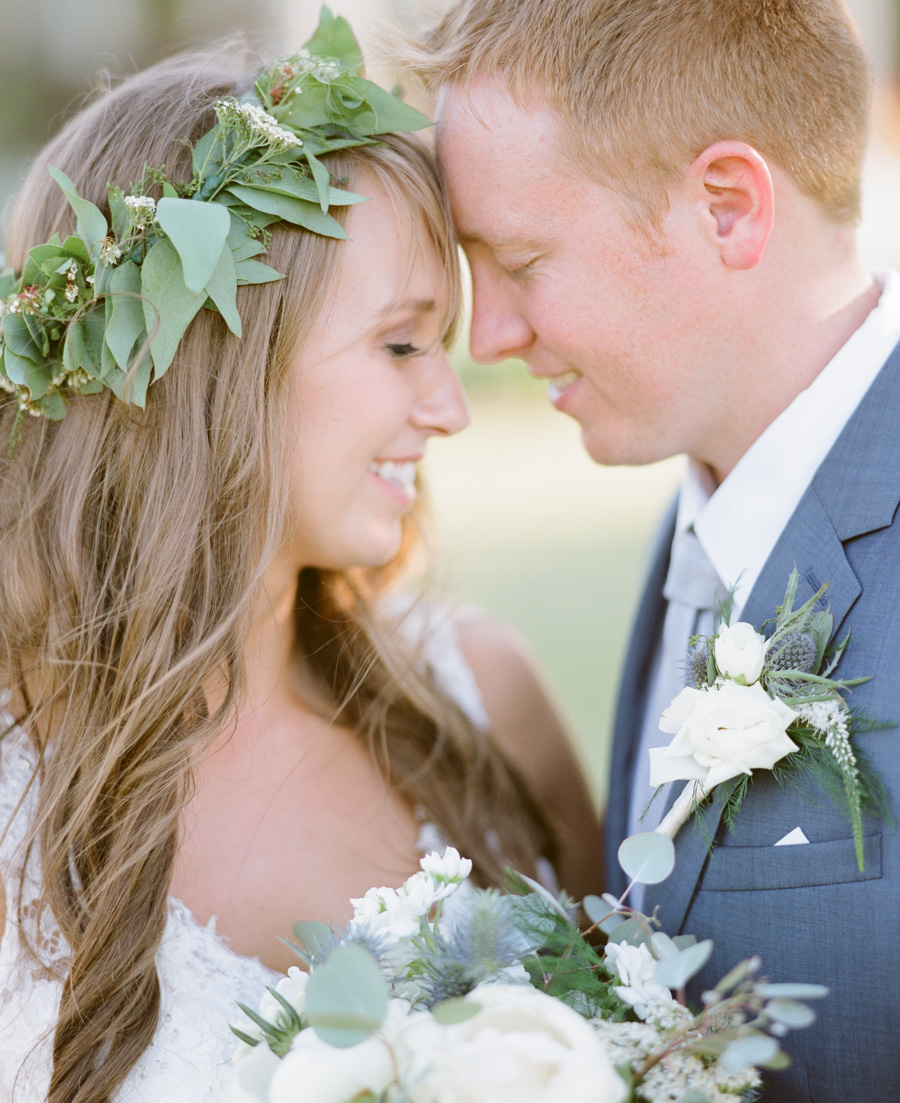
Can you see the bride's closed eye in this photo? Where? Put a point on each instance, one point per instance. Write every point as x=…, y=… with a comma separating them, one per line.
x=403, y=351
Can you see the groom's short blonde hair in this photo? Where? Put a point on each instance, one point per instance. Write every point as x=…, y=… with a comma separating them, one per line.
x=647, y=85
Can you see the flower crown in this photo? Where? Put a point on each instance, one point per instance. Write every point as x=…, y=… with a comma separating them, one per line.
x=107, y=307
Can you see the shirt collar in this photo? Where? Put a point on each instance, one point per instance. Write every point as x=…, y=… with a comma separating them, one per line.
x=739, y=523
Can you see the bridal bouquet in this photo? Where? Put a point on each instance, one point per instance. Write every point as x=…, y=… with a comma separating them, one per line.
x=441, y=992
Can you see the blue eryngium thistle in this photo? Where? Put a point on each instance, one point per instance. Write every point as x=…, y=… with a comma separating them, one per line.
x=482, y=942
x=696, y=666
x=794, y=651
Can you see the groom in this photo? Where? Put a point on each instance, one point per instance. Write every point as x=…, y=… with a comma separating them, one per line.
x=658, y=204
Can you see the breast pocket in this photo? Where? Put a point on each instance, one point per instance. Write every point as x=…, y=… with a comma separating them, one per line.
x=751, y=868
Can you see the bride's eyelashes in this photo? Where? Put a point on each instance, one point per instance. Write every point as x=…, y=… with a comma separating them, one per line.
x=403, y=350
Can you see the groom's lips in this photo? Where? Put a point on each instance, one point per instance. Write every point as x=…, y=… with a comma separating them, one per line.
x=559, y=387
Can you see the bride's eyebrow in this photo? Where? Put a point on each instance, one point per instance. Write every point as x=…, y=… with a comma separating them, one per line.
x=412, y=306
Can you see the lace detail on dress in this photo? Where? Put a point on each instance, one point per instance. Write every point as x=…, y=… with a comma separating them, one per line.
x=201, y=979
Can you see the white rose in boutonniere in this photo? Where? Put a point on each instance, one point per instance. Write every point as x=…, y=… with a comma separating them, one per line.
x=721, y=732
x=740, y=652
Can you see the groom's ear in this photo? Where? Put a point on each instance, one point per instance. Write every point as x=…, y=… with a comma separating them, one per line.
x=732, y=187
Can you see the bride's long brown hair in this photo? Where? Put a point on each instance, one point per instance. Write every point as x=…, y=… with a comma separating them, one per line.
x=134, y=546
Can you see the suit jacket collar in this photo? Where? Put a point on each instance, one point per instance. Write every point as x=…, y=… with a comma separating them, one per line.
x=855, y=491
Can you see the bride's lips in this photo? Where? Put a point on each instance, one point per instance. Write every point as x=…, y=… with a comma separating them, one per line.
x=397, y=477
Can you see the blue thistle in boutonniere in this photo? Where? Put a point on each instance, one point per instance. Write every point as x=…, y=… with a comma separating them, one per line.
x=754, y=702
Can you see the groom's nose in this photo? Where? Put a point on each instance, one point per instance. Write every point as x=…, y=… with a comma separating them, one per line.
x=499, y=329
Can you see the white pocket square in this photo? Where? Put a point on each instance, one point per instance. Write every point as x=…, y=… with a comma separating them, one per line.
x=793, y=838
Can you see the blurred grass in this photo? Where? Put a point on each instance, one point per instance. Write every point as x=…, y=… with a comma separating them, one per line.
x=529, y=528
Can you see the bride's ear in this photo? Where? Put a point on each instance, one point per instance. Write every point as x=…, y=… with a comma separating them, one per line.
x=732, y=188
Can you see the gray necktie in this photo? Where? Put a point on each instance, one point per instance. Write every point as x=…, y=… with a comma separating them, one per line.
x=690, y=589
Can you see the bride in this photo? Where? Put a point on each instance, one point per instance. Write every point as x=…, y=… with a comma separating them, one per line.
x=221, y=717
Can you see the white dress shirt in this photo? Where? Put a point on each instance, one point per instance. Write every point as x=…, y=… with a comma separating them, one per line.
x=739, y=522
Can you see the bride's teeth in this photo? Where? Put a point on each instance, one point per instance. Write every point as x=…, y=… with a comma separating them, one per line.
x=400, y=474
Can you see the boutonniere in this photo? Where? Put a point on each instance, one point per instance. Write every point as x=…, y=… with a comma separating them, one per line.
x=758, y=703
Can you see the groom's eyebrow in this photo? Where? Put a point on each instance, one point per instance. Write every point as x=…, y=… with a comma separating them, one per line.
x=474, y=237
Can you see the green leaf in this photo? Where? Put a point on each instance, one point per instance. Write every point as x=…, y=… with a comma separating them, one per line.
x=647, y=857
x=317, y=939
x=632, y=931
x=791, y=1012
x=346, y=998
x=49, y=258
x=288, y=209
x=286, y=180
x=75, y=248
x=334, y=38
x=390, y=113
x=169, y=306
x=677, y=969
x=90, y=223
x=751, y=1049
x=203, y=159
x=456, y=1010
x=253, y=271
x=222, y=288
x=19, y=339
x=126, y=322
x=121, y=216
x=198, y=231
x=321, y=176
x=54, y=405
x=792, y=991
x=84, y=342
x=25, y=372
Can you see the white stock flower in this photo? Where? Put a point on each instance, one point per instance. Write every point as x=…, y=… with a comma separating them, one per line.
x=523, y=1046
x=293, y=989
x=740, y=652
x=720, y=732
x=635, y=968
x=448, y=868
x=143, y=210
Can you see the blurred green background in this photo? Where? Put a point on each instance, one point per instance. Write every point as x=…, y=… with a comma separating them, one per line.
x=526, y=525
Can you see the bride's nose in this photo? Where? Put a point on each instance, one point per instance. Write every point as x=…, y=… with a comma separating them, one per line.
x=441, y=405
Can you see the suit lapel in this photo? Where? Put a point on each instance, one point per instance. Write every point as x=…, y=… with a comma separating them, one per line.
x=855, y=491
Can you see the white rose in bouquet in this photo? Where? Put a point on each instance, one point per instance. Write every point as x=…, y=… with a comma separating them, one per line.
x=316, y=1072
x=740, y=652
x=522, y=1046
x=720, y=732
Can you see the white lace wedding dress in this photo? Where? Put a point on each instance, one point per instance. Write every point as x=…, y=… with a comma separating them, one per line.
x=200, y=977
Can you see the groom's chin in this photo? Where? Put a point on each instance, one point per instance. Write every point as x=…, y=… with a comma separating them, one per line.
x=616, y=447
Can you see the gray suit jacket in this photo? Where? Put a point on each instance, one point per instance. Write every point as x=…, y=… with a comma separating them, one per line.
x=807, y=910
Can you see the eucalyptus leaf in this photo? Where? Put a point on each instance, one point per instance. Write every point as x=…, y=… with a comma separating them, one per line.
x=746, y=1051
x=456, y=1010
x=121, y=216
x=23, y=370
x=198, y=231
x=254, y=271
x=300, y=212
x=676, y=970
x=346, y=998
x=54, y=405
x=19, y=339
x=85, y=338
x=662, y=946
x=595, y=908
x=632, y=932
x=287, y=180
x=790, y=1012
x=90, y=223
x=126, y=319
x=74, y=247
x=222, y=289
x=317, y=939
x=647, y=857
x=169, y=306
x=792, y=991
x=389, y=112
